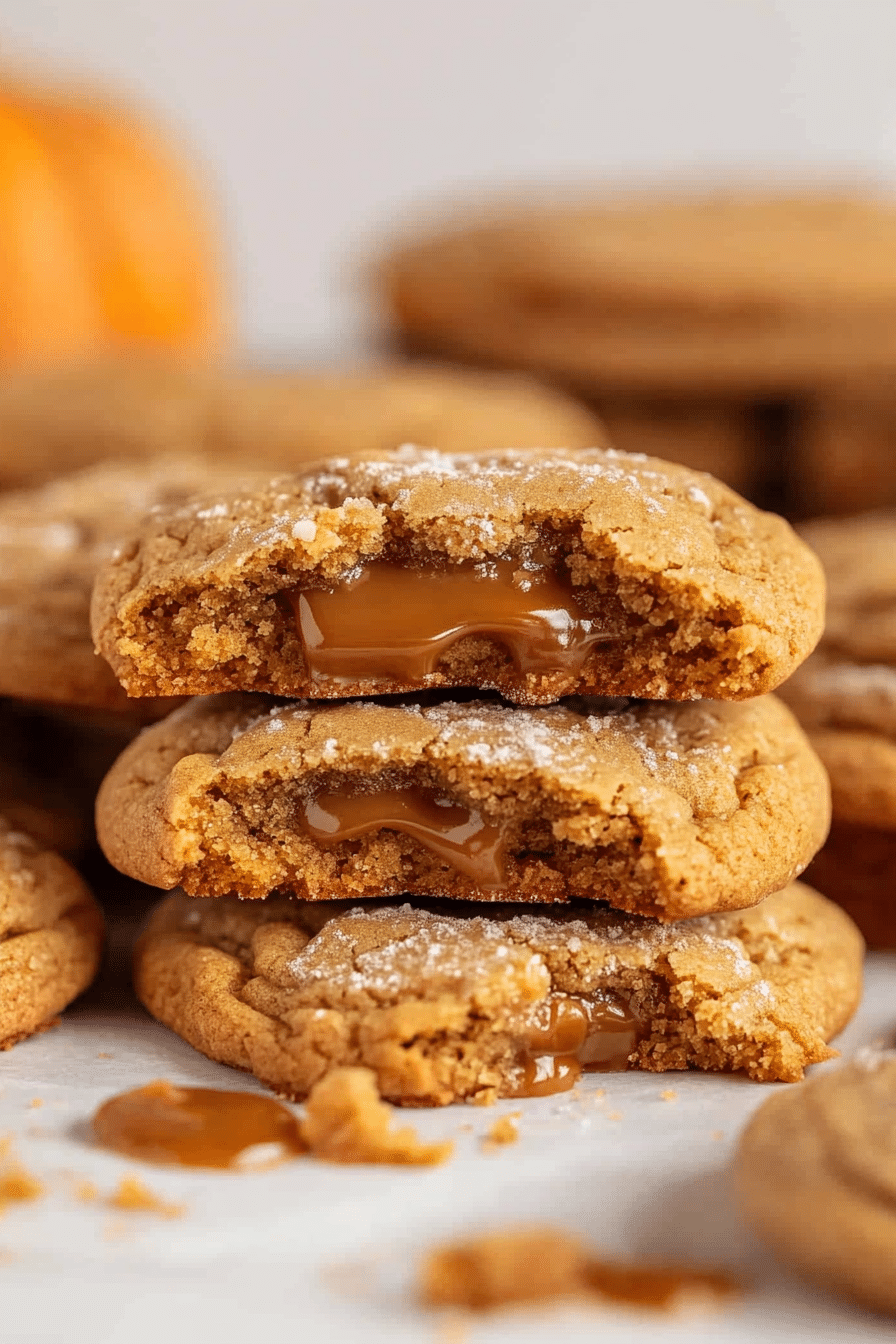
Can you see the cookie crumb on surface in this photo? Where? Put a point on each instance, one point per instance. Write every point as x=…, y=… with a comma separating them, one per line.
x=18, y=1185
x=133, y=1196
x=346, y=1121
x=502, y=1131
x=535, y=1264
x=669, y=1094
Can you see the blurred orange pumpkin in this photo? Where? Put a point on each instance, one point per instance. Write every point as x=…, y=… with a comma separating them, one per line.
x=105, y=242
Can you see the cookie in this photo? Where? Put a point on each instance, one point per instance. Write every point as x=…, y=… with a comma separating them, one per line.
x=538, y=574
x=60, y=420
x=666, y=809
x=51, y=934
x=738, y=294
x=53, y=539
x=845, y=696
x=473, y=1003
x=815, y=1177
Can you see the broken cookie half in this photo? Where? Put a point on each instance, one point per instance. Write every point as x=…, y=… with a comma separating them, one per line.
x=536, y=573
x=457, y=1002
x=665, y=809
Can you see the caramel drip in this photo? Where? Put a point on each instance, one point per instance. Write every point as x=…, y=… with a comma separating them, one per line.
x=658, y=1288
x=397, y=623
x=197, y=1126
x=571, y=1034
x=459, y=835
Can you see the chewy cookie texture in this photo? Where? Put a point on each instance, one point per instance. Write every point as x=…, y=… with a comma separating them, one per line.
x=816, y=1178
x=663, y=808
x=592, y=572
x=51, y=934
x=473, y=1003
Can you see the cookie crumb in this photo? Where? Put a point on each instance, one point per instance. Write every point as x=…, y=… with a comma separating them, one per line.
x=718, y=1135
x=35, y=1103
x=133, y=1196
x=104, y=1054
x=614, y=1115
x=502, y=1131
x=347, y=1121
x=669, y=1095
x=536, y=1264
x=85, y=1191
x=18, y=1185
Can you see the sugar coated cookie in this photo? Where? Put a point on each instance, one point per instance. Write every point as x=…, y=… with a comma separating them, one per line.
x=538, y=574
x=465, y=1003
x=666, y=809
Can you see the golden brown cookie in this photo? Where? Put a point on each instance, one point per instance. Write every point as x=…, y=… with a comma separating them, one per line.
x=51, y=934
x=816, y=1178
x=669, y=810
x=60, y=420
x=726, y=293
x=53, y=539
x=463, y=1002
x=845, y=697
x=535, y=573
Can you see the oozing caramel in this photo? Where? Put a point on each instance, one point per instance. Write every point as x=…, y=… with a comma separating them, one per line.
x=459, y=835
x=658, y=1288
x=570, y=1034
x=198, y=1127
x=397, y=623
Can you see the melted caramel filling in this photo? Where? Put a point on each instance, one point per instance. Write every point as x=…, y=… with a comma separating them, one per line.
x=397, y=623
x=457, y=834
x=569, y=1035
x=657, y=1288
x=198, y=1127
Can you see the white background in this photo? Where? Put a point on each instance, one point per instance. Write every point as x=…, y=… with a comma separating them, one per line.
x=325, y=122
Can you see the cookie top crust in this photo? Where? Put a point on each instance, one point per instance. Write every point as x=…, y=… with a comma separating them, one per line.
x=816, y=1178
x=698, y=592
x=737, y=293
x=670, y=810
x=53, y=538
x=61, y=420
x=441, y=1001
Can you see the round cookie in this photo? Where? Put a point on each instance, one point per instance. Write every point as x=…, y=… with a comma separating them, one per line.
x=60, y=420
x=51, y=934
x=464, y=1003
x=815, y=1176
x=667, y=809
x=845, y=697
x=53, y=539
x=727, y=293
x=535, y=573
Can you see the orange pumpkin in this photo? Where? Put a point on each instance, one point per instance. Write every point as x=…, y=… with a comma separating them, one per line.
x=105, y=242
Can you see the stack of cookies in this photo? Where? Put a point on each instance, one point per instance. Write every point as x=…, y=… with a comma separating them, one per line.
x=483, y=786
x=739, y=332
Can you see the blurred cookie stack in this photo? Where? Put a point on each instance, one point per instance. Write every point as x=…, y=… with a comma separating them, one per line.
x=415, y=832
x=746, y=334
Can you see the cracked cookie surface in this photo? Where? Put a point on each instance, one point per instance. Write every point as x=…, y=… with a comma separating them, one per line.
x=663, y=808
x=695, y=593
x=450, y=1003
